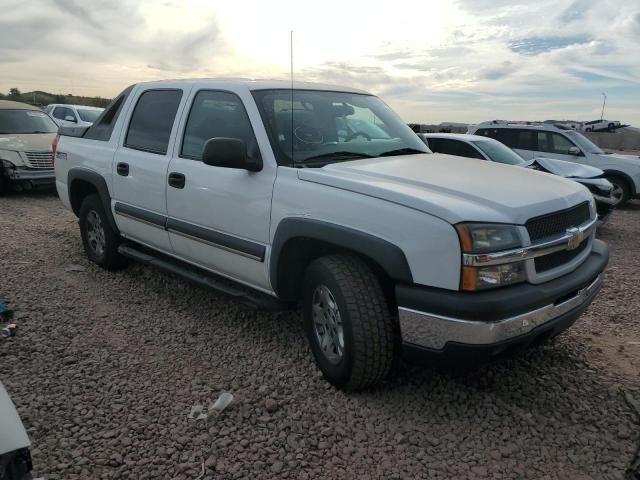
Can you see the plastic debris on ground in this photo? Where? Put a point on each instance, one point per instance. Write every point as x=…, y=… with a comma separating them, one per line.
x=216, y=408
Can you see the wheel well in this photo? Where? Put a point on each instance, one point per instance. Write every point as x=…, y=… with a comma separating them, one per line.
x=299, y=252
x=622, y=176
x=78, y=191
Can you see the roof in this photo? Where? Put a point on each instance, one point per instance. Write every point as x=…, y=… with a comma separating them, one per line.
x=9, y=105
x=76, y=106
x=534, y=126
x=252, y=84
x=465, y=137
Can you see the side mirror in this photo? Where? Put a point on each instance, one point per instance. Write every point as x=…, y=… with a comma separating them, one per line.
x=575, y=151
x=229, y=153
x=69, y=118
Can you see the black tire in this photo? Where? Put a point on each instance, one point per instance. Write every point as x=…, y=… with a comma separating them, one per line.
x=621, y=185
x=3, y=183
x=107, y=256
x=368, y=327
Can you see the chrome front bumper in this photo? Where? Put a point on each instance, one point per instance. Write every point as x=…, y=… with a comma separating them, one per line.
x=37, y=175
x=433, y=332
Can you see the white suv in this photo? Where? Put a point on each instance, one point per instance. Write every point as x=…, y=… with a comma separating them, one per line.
x=546, y=140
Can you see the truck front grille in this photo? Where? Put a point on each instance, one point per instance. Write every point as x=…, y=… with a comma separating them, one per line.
x=557, y=223
x=39, y=159
x=553, y=260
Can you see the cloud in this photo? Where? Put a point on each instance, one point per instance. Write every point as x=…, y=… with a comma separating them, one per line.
x=538, y=45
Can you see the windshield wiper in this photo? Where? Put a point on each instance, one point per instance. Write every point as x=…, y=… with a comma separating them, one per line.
x=334, y=156
x=401, y=151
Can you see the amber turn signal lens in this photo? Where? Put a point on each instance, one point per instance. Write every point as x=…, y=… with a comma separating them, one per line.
x=469, y=279
x=466, y=238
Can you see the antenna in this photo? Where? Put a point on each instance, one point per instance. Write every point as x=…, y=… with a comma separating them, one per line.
x=291, y=77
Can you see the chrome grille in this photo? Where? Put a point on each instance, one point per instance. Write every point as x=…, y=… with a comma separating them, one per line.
x=557, y=259
x=39, y=159
x=557, y=223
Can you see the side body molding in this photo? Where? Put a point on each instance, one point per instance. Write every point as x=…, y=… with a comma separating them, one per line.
x=387, y=255
x=81, y=175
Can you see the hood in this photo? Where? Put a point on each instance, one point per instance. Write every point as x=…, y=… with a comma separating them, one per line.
x=455, y=189
x=566, y=169
x=32, y=142
x=619, y=156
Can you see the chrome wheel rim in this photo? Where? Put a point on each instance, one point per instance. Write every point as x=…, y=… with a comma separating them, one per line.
x=327, y=324
x=95, y=233
x=617, y=193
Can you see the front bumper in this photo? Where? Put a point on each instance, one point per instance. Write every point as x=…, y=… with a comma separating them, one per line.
x=435, y=320
x=36, y=176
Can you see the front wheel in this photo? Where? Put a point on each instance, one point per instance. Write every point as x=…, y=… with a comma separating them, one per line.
x=621, y=189
x=348, y=322
x=99, y=239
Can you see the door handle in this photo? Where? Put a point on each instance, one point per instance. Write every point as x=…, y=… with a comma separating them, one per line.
x=176, y=180
x=122, y=169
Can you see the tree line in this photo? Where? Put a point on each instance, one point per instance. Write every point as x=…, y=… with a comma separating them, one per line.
x=39, y=98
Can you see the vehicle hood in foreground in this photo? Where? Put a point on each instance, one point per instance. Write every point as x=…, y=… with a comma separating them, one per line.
x=455, y=189
x=31, y=142
x=563, y=168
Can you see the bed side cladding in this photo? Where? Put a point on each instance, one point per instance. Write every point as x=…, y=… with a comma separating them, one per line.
x=299, y=241
x=82, y=182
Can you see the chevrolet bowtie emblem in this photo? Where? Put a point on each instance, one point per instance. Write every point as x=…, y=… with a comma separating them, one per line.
x=575, y=238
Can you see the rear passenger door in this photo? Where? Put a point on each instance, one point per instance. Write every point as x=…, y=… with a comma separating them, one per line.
x=141, y=162
x=219, y=217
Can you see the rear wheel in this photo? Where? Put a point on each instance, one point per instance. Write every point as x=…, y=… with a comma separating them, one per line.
x=621, y=189
x=100, y=241
x=348, y=322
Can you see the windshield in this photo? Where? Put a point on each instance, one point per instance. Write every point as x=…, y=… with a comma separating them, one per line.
x=584, y=143
x=89, y=115
x=332, y=126
x=498, y=152
x=26, y=121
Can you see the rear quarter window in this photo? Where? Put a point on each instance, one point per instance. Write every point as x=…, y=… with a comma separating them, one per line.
x=152, y=120
x=103, y=127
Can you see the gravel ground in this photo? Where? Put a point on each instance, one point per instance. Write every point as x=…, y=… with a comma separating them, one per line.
x=105, y=367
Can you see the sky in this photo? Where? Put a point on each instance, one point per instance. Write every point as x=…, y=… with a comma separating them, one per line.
x=432, y=61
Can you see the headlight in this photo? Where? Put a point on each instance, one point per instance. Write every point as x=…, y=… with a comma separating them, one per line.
x=479, y=238
x=7, y=164
x=488, y=237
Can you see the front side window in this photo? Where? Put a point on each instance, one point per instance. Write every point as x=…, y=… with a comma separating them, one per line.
x=25, y=121
x=152, y=120
x=61, y=113
x=498, y=152
x=584, y=143
x=314, y=126
x=216, y=114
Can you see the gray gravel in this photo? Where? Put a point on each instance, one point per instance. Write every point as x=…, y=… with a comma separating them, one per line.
x=106, y=366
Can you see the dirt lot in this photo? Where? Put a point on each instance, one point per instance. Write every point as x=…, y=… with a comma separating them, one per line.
x=105, y=367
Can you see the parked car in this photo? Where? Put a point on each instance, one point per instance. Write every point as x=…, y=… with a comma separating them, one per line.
x=73, y=115
x=483, y=148
x=599, y=125
x=15, y=457
x=270, y=189
x=536, y=140
x=26, y=134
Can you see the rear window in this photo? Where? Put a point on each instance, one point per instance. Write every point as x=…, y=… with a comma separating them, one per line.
x=25, y=121
x=152, y=121
x=103, y=126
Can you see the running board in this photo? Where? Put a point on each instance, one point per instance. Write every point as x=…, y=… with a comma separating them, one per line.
x=245, y=295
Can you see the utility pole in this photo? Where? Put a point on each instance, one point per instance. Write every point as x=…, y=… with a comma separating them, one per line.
x=604, y=100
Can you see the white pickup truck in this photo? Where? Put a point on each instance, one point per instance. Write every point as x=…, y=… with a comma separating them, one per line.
x=323, y=195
